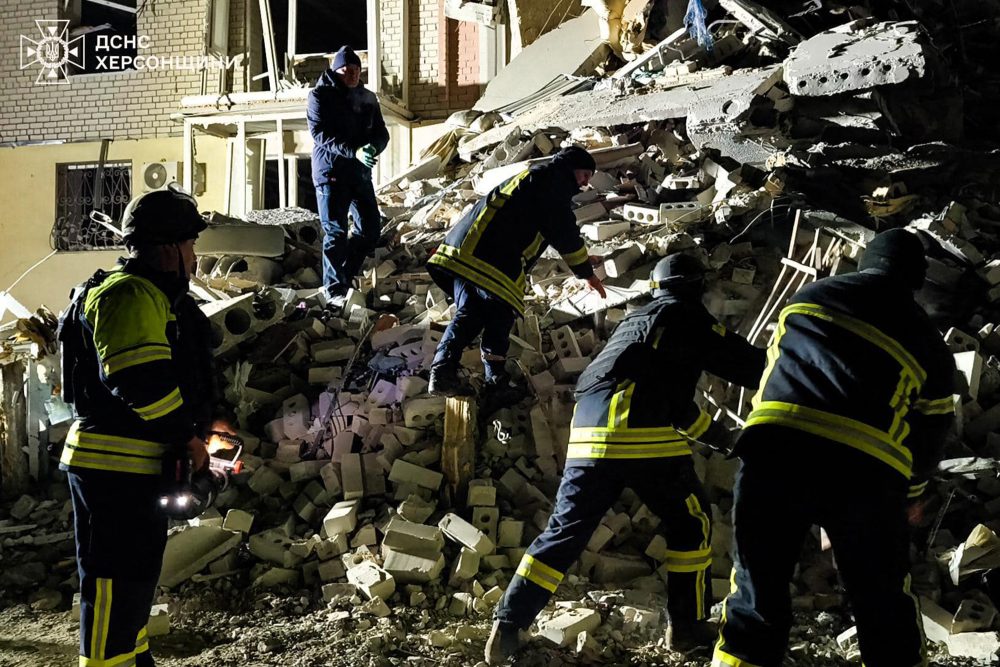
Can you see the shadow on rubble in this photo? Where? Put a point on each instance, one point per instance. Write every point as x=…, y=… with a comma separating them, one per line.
x=181, y=643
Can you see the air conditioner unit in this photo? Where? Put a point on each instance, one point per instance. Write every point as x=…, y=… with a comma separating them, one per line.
x=158, y=175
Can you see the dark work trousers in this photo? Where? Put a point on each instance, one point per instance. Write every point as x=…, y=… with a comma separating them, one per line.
x=788, y=481
x=476, y=311
x=343, y=256
x=120, y=537
x=670, y=489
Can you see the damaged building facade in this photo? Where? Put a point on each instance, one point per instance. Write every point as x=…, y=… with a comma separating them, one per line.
x=371, y=520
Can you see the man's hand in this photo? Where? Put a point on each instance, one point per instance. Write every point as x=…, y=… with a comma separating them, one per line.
x=596, y=260
x=915, y=511
x=596, y=285
x=366, y=155
x=198, y=451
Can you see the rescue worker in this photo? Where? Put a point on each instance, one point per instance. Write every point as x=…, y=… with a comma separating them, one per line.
x=484, y=258
x=348, y=133
x=847, y=426
x=634, y=416
x=137, y=370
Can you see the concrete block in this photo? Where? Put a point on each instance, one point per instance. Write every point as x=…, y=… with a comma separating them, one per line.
x=342, y=518
x=231, y=321
x=238, y=521
x=564, y=343
x=306, y=470
x=413, y=538
x=330, y=474
x=619, y=263
x=600, y=538
x=339, y=592
x=486, y=519
x=365, y=536
x=460, y=604
x=415, y=509
x=159, y=621
x=295, y=417
x=510, y=533
x=683, y=213
x=564, y=628
x=423, y=412
x=458, y=529
x=242, y=240
x=959, y=341
x=331, y=351
x=277, y=577
x=372, y=580
x=643, y=215
x=406, y=473
x=482, y=493
x=611, y=569
x=493, y=596
x=657, y=549
x=331, y=547
x=984, y=646
x=602, y=231
x=590, y=212
x=331, y=570
x=352, y=476
x=973, y=616
x=412, y=569
x=970, y=365
x=269, y=546
x=190, y=549
x=567, y=369
x=465, y=566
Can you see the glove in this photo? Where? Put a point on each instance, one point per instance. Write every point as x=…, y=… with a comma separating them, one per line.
x=366, y=155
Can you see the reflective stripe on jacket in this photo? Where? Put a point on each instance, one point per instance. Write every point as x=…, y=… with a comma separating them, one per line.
x=636, y=399
x=508, y=229
x=129, y=404
x=856, y=360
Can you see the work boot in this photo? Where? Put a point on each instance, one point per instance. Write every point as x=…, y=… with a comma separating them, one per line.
x=503, y=643
x=445, y=381
x=685, y=637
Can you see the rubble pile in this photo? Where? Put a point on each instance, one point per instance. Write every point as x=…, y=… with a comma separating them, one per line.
x=772, y=156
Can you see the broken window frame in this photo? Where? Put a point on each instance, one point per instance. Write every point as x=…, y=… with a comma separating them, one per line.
x=127, y=12
x=73, y=230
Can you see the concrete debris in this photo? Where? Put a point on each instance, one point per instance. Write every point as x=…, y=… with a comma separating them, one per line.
x=857, y=56
x=382, y=504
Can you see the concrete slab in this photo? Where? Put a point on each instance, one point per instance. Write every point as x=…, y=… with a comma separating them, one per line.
x=253, y=240
x=856, y=56
x=190, y=549
x=575, y=47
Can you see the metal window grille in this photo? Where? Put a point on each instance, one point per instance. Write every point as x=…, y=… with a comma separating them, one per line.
x=76, y=197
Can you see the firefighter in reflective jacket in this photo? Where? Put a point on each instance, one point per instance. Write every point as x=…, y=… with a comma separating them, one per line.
x=854, y=405
x=634, y=415
x=137, y=370
x=483, y=260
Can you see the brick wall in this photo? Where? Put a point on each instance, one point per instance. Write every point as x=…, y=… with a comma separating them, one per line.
x=391, y=32
x=444, y=61
x=427, y=90
x=463, y=64
x=132, y=104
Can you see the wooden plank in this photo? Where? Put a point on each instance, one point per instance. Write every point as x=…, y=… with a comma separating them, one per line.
x=458, y=451
x=13, y=432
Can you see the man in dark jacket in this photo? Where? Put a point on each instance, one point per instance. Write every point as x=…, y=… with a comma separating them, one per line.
x=847, y=426
x=348, y=133
x=634, y=416
x=137, y=372
x=484, y=258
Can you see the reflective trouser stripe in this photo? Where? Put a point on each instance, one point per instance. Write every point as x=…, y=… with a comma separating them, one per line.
x=162, y=407
x=102, y=618
x=936, y=406
x=124, y=660
x=142, y=641
x=917, y=490
x=539, y=573
x=722, y=659
x=482, y=274
x=577, y=256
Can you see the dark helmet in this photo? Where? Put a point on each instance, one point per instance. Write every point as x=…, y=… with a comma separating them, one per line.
x=676, y=271
x=575, y=157
x=163, y=217
x=897, y=253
